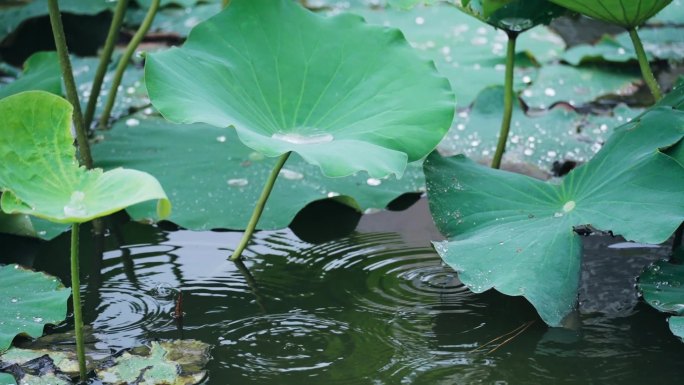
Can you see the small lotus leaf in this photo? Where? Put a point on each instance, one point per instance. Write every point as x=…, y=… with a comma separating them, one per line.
x=41, y=177
x=41, y=72
x=222, y=196
x=626, y=13
x=515, y=234
x=511, y=15
x=157, y=367
x=344, y=95
x=29, y=301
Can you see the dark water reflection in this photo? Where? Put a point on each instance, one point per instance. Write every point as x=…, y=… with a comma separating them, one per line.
x=370, y=308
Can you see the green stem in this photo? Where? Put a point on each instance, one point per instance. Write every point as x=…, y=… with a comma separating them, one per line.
x=69, y=83
x=508, y=100
x=224, y=3
x=646, y=71
x=123, y=63
x=76, y=297
x=256, y=214
x=112, y=37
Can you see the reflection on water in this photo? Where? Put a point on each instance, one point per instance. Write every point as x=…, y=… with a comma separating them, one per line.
x=369, y=308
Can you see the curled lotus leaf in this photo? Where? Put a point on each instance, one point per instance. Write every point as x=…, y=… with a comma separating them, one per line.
x=41, y=176
x=346, y=96
x=511, y=15
x=626, y=13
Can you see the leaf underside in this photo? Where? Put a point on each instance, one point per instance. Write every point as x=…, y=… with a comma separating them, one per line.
x=626, y=13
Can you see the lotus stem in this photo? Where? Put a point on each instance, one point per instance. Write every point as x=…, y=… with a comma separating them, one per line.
x=261, y=203
x=508, y=100
x=646, y=71
x=125, y=59
x=112, y=36
x=69, y=83
x=224, y=3
x=76, y=298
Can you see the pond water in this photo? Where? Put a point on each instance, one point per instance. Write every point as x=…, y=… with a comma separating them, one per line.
x=376, y=306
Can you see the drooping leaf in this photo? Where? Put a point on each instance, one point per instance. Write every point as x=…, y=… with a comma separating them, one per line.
x=223, y=195
x=18, y=12
x=626, y=13
x=41, y=177
x=512, y=15
x=344, y=95
x=471, y=55
x=555, y=136
x=578, y=85
x=7, y=379
x=163, y=364
x=515, y=234
x=28, y=301
x=41, y=72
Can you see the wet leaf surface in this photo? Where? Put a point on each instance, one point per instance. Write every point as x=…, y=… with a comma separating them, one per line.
x=507, y=230
x=557, y=135
x=661, y=286
x=41, y=176
x=213, y=179
x=29, y=301
x=578, y=85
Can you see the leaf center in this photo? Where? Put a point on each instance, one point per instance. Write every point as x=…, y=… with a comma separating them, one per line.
x=569, y=206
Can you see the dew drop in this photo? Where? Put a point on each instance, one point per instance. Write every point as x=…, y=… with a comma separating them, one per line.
x=373, y=182
x=291, y=174
x=37, y=319
x=569, y=206
x=237, y=182
x=550, y=92
x=132, y=122
x=76, y=207
x=14, y=300
x=333, y=194
x=557, y=215
x=221, y=139
x=420, y=20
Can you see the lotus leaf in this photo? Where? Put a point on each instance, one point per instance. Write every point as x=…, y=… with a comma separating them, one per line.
x=661, y=287
x=41, y=72
x=578, y=85
x=41, y=176
x=222, y=196
x=557, y=135
x=29, y=301
x=7, y=379
x=471, y=55
x=344, y=95
x=511, y=15
x=626, y=13
x=515, y=234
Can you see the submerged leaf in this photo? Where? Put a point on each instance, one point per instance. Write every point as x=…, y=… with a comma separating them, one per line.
x=64, y=361
x=515, y=234
x=41, y=177
x=162, y=365
x=29, y=301
x=344, y=95
x=626, y=13
x=222, y=196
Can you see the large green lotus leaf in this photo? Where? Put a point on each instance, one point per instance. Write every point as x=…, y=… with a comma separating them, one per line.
x=7, y=379
x=159, y=366
x=578, y=85
x=512, y=15
x=12, y=15
x=41, y=177
x=515, y=234
x=472, y=55
x=29, y=301
x=41, y=72
x=626, y=13
x=557, y=135
x=222, y=195
x=344, y=95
